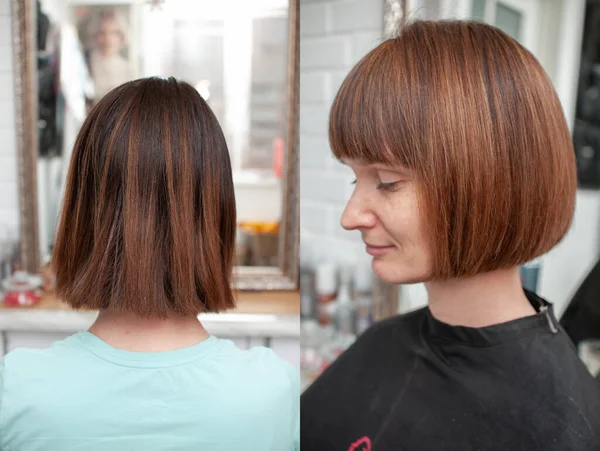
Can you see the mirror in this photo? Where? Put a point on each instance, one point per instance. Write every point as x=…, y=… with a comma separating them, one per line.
x=241, y=56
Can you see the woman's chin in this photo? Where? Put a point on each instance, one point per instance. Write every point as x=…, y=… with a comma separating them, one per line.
x=395, y=273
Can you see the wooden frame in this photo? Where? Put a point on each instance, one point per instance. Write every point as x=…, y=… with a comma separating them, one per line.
x=284, y=277
x=23, y=20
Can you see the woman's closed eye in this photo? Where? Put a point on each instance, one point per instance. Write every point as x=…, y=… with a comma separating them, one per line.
x=387, y=186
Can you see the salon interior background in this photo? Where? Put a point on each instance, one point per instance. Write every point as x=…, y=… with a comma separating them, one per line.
x=336, y=33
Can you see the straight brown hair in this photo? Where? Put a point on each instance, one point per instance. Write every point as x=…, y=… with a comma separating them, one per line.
x=148, y=218
x=475, y=117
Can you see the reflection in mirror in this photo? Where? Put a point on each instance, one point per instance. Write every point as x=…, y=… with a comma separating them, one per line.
x=235, y=53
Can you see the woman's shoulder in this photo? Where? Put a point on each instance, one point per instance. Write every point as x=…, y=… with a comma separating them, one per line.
x=257, y=376
x=413, y=317
x=26, y=358
x=398, y=327
x=24, y=371
x=22, y=363
x=260, y=362
x=387, y=340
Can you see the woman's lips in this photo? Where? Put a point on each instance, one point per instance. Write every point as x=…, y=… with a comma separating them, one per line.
x=377, y=251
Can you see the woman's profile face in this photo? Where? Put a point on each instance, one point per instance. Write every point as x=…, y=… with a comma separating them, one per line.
x=384, y=208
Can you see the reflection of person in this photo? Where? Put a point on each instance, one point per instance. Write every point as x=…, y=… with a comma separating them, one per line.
x=108, y=67
x=464, y=170
x=147, y=237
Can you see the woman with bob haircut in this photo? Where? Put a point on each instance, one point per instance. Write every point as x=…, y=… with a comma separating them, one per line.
x=147, y=236
x=464, y=170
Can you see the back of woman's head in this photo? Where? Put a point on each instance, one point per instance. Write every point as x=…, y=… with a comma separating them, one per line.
x=476, y=119
x=148, y=219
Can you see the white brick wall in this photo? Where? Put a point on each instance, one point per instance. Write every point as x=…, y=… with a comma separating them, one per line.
x=9, y=213
x=334, y=35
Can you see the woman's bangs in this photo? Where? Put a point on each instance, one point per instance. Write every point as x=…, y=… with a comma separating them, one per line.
x=366, y=124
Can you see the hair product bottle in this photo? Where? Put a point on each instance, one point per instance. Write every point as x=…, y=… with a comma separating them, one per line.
x=344, y=307
x=326, y=287
x=363, y=297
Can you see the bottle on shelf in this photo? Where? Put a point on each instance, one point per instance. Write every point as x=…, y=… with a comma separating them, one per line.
x=308, y=304
x=363, y=297
x=326, y=288
x=342, y=309
x=345, y=308
x=308, y=295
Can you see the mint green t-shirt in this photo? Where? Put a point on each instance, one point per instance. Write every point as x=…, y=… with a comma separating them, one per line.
x=83, y=394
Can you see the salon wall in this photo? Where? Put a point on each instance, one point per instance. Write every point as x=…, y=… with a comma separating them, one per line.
x=334, y=34
x=9, y=212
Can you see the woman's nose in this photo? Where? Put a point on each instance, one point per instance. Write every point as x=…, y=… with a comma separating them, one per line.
x=357, y=215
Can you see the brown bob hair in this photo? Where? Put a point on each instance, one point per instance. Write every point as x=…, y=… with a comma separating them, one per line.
x=148, y=218
x=475, y=117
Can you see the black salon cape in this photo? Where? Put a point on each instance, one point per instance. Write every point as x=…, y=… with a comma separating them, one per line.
x=412, y=383
x=581, y=320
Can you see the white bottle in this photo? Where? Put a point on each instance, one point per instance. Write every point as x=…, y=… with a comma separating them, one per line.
x=363, y=297
x=344, y=307
x=342, y=310
x=326, y=288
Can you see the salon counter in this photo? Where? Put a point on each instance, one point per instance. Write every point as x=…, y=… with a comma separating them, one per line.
x=260, y=319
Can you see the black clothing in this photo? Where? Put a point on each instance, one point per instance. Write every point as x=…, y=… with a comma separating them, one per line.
x=581, y=319
x=413, y=383
x=43, y=26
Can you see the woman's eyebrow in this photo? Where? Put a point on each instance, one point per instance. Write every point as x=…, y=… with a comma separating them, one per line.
x=396, y=169
x=352, y=162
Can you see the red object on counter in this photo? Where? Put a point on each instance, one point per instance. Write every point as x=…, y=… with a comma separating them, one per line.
x=22, y=290
x=22, y=298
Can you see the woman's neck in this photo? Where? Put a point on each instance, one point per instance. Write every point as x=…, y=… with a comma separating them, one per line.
x=482, y=300
x=132, y=333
